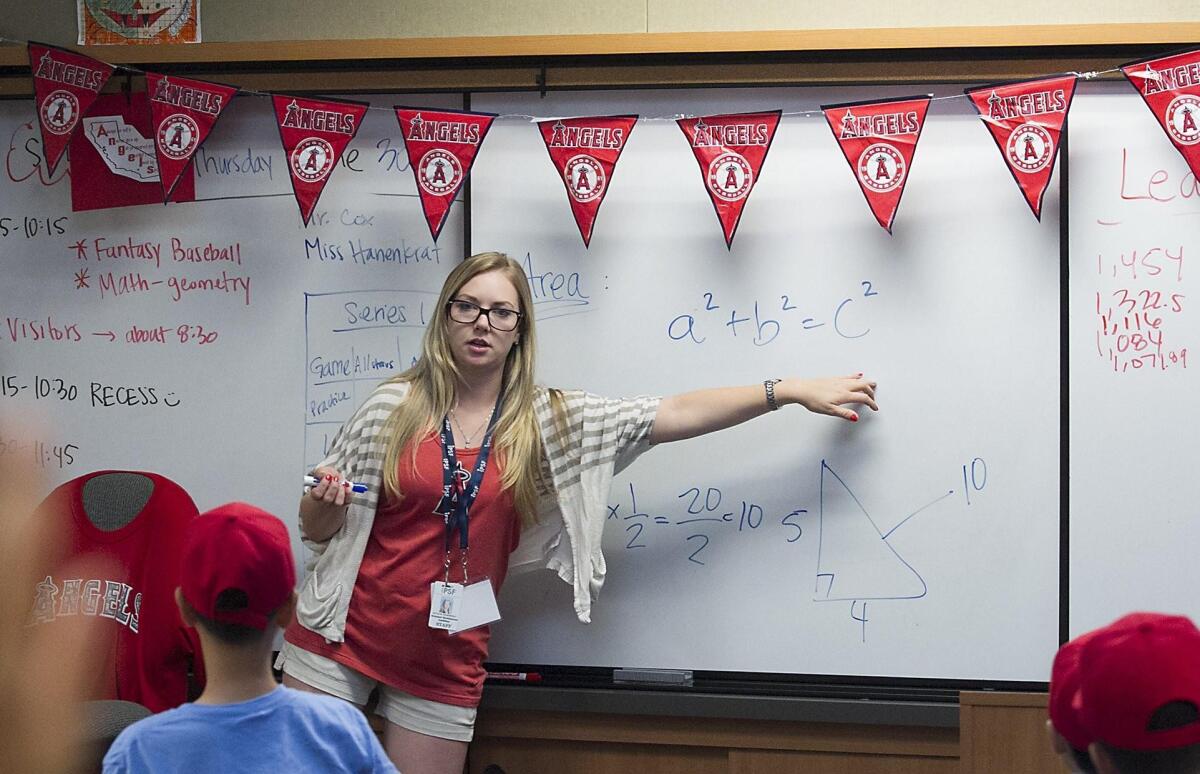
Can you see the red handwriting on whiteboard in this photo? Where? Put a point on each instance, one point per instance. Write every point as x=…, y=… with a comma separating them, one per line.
x=1158, y=187
x=1144, y=263
x=1130, y=332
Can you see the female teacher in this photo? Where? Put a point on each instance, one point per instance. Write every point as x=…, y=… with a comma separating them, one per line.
x=461, y=454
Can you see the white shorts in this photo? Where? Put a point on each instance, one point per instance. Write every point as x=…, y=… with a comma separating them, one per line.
x=432, y=718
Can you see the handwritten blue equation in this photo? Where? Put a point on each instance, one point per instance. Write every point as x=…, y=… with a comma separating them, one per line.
x=856, y=561
x=762, y=321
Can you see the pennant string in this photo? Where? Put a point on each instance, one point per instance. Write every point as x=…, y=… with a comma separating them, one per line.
x=1087, y=76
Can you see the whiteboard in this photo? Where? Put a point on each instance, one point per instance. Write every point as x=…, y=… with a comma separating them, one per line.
x=1134, y=215
x=247, y=396
x=763, y=548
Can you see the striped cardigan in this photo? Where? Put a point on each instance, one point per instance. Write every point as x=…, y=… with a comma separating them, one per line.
x=600, y=438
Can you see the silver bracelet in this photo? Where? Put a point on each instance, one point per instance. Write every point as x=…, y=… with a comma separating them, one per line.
x=769, y=386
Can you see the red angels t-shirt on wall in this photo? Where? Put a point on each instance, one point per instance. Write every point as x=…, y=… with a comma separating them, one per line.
x=730, y=150
x=585, y=153
x=1170, y=86
x=1026, y=120
x=64, y=86
x=314, y=133
x=146, y=649
x=879, y=140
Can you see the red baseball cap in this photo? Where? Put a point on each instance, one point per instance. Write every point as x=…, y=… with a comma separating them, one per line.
x=237, y=565
x=1063, y=706
x=1131, y=669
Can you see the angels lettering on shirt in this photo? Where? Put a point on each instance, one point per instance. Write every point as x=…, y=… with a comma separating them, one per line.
x=112, y=599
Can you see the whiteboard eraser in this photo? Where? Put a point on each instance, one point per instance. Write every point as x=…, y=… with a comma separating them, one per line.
x=659, y=676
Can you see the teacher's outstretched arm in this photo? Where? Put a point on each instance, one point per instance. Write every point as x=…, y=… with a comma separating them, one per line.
x=690, y=414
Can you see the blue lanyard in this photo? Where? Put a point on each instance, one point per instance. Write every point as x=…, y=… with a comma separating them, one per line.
x=458, y=490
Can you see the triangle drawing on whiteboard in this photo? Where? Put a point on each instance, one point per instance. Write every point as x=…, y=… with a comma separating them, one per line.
x=855, y=561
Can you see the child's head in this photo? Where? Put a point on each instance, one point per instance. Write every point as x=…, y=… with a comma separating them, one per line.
x=1139, y=694
x=238, y=573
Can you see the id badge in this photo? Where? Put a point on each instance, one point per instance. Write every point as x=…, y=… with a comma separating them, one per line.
x=445, y=605
x=478, y=607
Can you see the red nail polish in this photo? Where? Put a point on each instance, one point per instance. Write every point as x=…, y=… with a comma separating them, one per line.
x=854, y=417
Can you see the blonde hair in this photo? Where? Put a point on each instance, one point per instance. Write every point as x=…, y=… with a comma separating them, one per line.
x=516, y=441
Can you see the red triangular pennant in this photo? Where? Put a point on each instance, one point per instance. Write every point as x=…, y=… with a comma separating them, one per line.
x=1026, y=119
x=879, y=139
x=182, y=113
x=64, y=86
x=314, y=133
x=1170, y=85
x=442, y=146
x=585, y=153
x=730, y=150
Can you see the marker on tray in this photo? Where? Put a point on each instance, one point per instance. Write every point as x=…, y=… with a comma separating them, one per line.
x=518, y=677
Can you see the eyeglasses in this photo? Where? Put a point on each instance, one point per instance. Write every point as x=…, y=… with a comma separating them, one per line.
x=498, y=317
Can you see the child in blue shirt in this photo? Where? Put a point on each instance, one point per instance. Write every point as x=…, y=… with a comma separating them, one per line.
x=237, y=586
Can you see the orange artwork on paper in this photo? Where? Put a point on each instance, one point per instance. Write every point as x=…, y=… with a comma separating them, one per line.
x=138, y=22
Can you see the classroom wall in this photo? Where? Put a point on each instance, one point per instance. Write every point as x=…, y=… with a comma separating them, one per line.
x=526, y=735
x=223, y=20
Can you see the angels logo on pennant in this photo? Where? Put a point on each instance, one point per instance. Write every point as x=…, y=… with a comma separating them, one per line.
x=178, y=136
x=65, y=85
x=1030, y=148
x=585, y=153
x=1181, y=119
x=314, y=133
x=60, y=112
x=1170, y=87
x=442, y=146
x=730, y=177
x=439, y=172
x=311, y=160
x=878, y=139
x=1026, y=120
x=184, y=112
x=881, y=167
x=730, y=150
x=584, y=178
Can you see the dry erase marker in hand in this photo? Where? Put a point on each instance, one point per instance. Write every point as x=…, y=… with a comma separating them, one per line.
x=313, y=481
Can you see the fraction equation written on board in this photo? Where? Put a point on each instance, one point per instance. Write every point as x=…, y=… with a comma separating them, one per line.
x=856, y=561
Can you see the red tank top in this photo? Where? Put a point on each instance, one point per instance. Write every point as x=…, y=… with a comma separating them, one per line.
x=387, y=628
